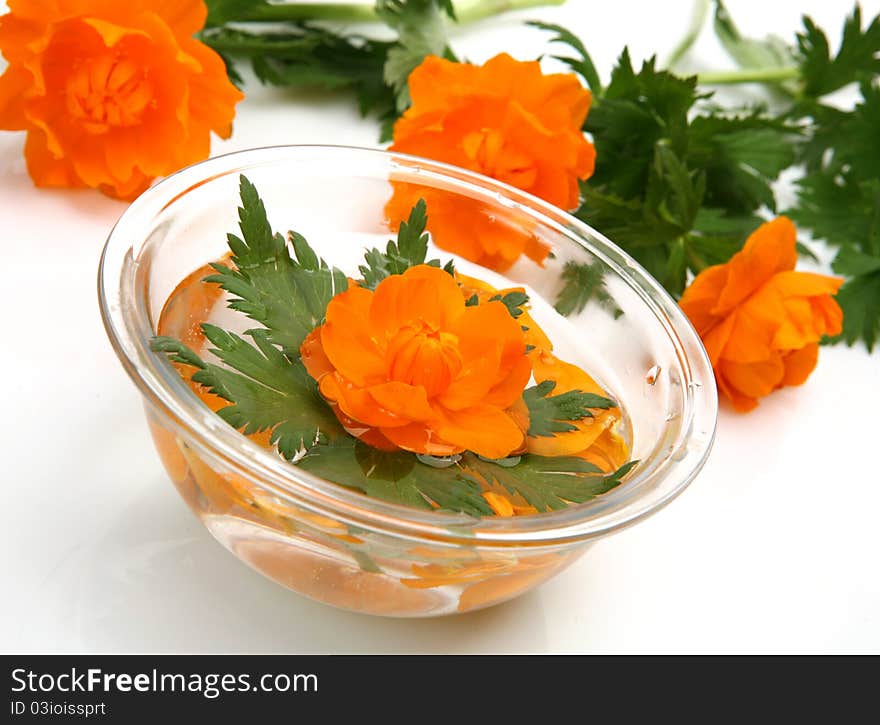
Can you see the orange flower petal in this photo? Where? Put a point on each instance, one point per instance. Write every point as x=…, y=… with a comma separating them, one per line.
x=313, y=357
x=799, y=364
x=402, y=400
x=357, y=403
x=483, y=429
x=770, y=249
x=754, y=380
x=421, y=293
x=347, y=337
x=418, y=438
x=509, y=390
x=567, y=376
x=44, y=167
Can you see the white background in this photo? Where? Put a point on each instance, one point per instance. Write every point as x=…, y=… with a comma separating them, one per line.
x=774, y=547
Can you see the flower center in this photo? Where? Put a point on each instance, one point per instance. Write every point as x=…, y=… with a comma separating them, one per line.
x=423, y=356
x=106, y=92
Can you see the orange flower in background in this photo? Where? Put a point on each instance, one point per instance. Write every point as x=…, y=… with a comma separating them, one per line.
x=412, y=362
x=507, y=120
x=761, y=321
x=111, y=94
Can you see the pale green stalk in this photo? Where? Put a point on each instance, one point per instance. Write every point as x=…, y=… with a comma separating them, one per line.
x=467, y=11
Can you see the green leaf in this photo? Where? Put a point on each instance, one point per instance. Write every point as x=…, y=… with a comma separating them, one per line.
x=513, y=301
x=635, y=113
x=741, y=155
x=582, y=64
x=840, y=208
x=412, y=241
x=582, y=282
x=552, y=414
x=397, y=477
x=853, y=262
x=421, y=31
x=307, y=56
x=858, y=58
x=546, y=483
x=859, y=298
x=287, y=295
x=410, y=250
x=266, y=390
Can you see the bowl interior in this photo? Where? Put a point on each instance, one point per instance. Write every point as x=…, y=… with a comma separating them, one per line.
x=639, y=347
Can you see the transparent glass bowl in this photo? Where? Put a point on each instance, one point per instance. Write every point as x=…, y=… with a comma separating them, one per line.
x=337, y=545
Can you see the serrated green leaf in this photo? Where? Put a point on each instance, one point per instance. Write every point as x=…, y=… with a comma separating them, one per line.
x=551, y=414
x=548, y=484
x=857, y=59
x=421, y=31
x=266, y=390
x=409, y=250
x=582, y=282
x=397, y=477
x=287, y=295
x=859, y=298
x=582, y=64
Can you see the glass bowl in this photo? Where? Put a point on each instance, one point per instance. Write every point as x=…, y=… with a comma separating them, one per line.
x=337, y=545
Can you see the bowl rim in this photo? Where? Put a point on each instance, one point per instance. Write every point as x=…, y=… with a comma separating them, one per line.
x=128, y=326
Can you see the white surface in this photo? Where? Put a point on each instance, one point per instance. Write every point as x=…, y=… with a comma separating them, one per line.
x=774, y=547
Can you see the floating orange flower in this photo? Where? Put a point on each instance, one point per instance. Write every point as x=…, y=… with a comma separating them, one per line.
x=412, y=362
x=761, y=321
x=111, y=94
x=507, y=120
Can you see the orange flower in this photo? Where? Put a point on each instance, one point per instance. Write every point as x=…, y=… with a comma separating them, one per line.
x=759, y=319
x=506, y=120
x=111, y=94
x=412, y=362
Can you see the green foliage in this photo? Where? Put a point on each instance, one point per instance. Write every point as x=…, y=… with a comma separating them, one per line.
x=582, y=282
x=839, y=196
x=421, y=31
x=581, y=63
x=302, y=55
x=410, y=250
x=513, y=301
x=678, y=183
x=546, y=483
x=397, y=477
x=286, y=294
x=266, y=390
x=858, y=58
x=552, y=414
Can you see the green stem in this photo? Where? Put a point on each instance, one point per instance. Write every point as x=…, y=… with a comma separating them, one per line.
x=467, y=10
x=748, y=75
x=698, y=18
